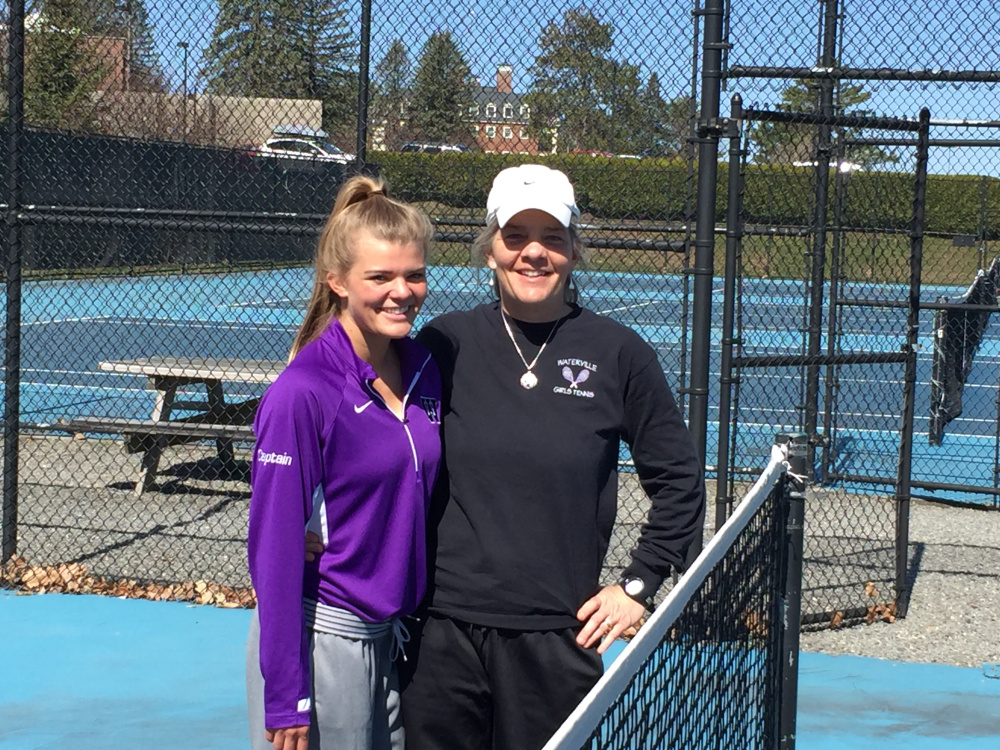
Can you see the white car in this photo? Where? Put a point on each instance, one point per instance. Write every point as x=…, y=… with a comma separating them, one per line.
x=416, y=147
x=298, y=147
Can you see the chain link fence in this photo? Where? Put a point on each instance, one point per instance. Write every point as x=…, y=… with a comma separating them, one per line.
x=178, y=158
x=817, y=336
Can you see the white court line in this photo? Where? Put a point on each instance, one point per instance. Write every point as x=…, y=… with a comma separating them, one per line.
x=628, y=307
x=94, y=319
x=49, y=370
x=79, y=387
x=244, y=305
x=862, y=431
x=232, y=326
x=167, y=323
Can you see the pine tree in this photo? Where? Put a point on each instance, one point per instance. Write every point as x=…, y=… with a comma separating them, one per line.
x=245, y=56
x=129, y=21
x=664, y=124
x=390, y=89
x=580, y=91
x=442, y=90
x=327, y=58
x=62, y=71
x=287, y=49
x=781, y=143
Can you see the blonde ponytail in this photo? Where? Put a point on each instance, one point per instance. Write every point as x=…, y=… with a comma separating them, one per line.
x=362, y=205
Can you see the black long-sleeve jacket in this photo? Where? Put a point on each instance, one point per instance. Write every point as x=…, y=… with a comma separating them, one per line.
x=528, y=491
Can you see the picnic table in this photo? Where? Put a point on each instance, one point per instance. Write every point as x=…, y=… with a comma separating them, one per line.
x=213, y=418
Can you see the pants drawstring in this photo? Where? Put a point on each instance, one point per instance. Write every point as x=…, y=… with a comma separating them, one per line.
x=400, y=636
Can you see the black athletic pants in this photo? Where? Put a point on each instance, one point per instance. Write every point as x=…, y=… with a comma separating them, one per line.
x=470, y=687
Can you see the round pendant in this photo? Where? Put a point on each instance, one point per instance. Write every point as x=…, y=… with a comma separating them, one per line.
x=529, y=380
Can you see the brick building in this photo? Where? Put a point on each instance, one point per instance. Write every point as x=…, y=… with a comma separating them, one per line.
x=500, y=117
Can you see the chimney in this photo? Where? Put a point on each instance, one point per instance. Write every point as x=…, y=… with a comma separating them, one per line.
x=505, y=79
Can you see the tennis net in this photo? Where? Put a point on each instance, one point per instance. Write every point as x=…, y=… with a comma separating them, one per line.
x=705, y=671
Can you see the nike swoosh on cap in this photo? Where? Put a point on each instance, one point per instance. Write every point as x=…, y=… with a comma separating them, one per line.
x=359, y=409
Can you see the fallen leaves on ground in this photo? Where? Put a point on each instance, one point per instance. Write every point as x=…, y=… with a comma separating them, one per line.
x=876, y=612
x=74, y=578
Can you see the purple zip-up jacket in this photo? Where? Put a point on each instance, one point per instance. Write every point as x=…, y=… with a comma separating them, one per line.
x=330, y=456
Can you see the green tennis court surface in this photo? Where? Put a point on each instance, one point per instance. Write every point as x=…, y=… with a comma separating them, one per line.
x=89, y=673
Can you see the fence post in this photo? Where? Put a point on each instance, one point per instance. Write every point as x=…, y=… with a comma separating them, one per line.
x=793, y=512
x=361, y=152
x=827, y=443
x=709, y=131
x=903, y=488
x=818, y=270
x=734, y=236
x=12, y=269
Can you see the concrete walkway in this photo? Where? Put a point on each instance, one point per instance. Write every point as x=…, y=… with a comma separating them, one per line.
x=89, y=673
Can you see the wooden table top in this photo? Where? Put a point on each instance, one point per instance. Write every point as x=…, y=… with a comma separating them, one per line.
x=198, y=368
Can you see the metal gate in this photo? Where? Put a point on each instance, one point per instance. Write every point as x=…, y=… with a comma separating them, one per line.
x=819, y=336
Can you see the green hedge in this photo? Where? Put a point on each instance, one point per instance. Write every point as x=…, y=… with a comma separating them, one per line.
x=615, y=189
x=608, y=188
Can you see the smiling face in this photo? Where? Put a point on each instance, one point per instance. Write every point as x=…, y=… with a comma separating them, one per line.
x=532, y=256
x=382, y=291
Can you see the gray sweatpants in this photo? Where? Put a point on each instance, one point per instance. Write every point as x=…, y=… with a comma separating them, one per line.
x=355, y=693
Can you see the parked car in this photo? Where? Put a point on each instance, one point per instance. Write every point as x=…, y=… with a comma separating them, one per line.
x=301, y=142
x=419, y=147
x=583, y=152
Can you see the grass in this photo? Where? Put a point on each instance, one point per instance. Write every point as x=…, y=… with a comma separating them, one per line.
x=865, y=258
x=868, y=257
x=166, y=269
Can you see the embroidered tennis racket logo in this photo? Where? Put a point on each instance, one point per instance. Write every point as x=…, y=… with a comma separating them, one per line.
x=576, y=372
x=432, y=408
x=574, y=381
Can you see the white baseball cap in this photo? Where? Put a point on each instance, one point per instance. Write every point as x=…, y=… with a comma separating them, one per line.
x=527, y=186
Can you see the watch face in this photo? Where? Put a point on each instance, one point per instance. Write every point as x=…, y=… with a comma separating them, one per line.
x=634, y=586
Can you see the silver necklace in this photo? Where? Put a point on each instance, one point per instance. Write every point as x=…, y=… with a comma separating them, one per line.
x=529, y=380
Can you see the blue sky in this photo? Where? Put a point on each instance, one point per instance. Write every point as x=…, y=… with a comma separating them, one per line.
x=657, y=35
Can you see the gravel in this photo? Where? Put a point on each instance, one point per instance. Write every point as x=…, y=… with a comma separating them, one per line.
x=77, y=504
x=954, y=573
x=954, y=612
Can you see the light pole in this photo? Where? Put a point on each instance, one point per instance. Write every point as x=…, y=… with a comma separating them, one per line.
x=184, y=87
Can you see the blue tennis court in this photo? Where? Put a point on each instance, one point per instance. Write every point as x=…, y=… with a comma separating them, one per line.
x=69, y=326
x=96, y=672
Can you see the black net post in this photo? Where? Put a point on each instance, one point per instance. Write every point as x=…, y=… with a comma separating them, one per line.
x=793, y=510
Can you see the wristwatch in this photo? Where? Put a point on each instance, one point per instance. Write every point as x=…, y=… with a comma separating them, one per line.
x=635, y=587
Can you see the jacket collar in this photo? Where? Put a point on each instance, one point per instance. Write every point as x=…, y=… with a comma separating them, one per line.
x=411, y=358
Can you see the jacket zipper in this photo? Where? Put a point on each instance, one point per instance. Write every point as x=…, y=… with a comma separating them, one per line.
x=402, y=419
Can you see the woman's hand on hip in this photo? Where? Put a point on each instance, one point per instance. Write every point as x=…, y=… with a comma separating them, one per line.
x=314, y=546
x=606, y=616
x=289, y=738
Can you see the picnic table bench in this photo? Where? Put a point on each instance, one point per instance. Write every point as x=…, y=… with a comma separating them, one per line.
x=213, y=418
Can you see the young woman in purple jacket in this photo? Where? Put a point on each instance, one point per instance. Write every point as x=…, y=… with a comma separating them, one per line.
x=348, y=447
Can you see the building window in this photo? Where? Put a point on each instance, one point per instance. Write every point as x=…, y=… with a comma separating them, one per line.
x=491, y=131
x=491, y=110
x=474, y=110
x=508, y=111
x=525, y=110
x=522, y=133
x=475, y=129
x=508, y=132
